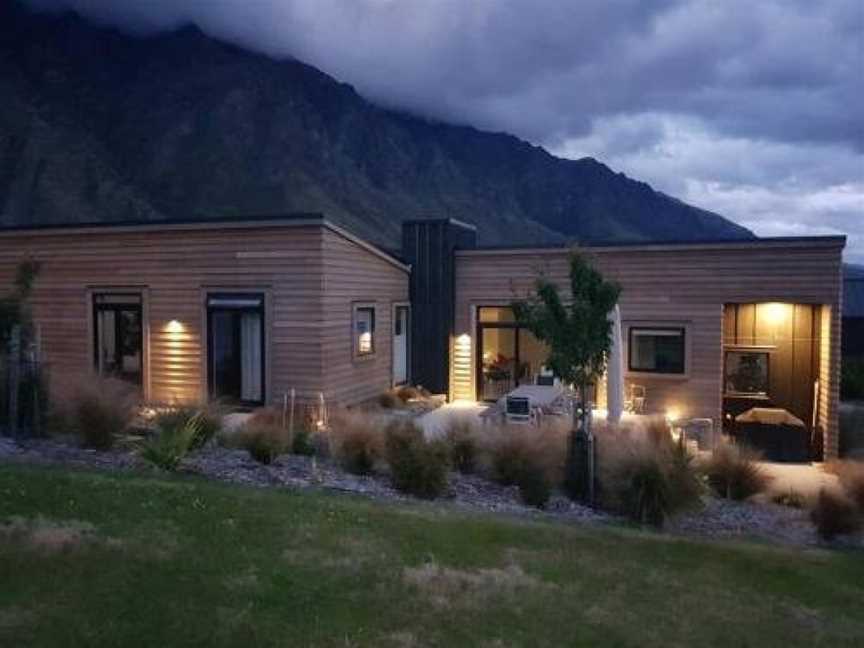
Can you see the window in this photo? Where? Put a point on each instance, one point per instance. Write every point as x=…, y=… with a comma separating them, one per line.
x=746, y=373
x=364, y=330
x=657, y=350
x=119, y=336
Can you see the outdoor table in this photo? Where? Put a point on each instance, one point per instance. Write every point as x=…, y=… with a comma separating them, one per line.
x=776, y=432
x=538, y=395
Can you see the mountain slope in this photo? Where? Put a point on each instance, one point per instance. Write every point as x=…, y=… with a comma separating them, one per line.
x=97, y=125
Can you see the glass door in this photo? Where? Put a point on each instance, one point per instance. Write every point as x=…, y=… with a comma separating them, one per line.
x=508, y=355
x=119, y=338
x=235, y=345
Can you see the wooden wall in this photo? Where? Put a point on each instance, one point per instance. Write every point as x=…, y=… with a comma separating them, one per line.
x=352, y=275
x=685, y=285
x=174, y=268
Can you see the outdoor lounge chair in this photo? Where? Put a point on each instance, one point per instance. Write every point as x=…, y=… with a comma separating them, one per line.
x=518, y=410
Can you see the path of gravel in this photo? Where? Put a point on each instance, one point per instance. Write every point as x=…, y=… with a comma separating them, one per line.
x=718, y=519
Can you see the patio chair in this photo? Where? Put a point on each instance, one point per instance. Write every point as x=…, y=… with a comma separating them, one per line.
x=518, y=410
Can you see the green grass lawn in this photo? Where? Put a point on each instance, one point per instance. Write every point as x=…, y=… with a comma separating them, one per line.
x=106, y=560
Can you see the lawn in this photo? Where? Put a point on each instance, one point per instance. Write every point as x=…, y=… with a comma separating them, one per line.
x=115, y=560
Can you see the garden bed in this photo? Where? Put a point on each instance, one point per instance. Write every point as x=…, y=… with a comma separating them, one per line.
x=716, y=519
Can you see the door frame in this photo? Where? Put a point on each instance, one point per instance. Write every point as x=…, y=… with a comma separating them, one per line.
x=478, y=352
x=408, y=339
x=262, y=312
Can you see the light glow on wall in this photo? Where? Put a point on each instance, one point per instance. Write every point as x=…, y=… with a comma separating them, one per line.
x=174, y=326
x=777, y=313
x=461, y=371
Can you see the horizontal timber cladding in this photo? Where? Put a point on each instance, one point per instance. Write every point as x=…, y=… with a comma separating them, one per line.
x=676, y=285
x=297, y=268
x=352, y=276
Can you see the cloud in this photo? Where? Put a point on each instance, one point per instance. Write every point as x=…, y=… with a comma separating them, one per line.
x=752, y=109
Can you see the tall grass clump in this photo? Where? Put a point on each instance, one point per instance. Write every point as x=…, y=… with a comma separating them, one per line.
x=417, y=466
x=733, y=472
x=644, y=475
x=531, y=458
x=464, y=445
x=851, y=476
x=172, y=442
x=835, y=514
x=96, y=409
x=357, y=440
x=263, y=441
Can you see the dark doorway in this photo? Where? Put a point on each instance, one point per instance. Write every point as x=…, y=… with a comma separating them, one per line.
x=235, y=348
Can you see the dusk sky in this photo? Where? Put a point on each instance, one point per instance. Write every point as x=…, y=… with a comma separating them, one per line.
x=754, y=110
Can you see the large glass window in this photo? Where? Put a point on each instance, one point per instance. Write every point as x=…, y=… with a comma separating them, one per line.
x=235, y=336
x=657, y=350
x=509, y=355
x=119, y=336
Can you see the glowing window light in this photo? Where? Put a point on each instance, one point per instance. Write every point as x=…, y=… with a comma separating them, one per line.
x=364, y=342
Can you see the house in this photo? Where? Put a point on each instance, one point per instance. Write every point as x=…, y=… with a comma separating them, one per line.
x=243, y=311
x=247, y=310
x=853, y=312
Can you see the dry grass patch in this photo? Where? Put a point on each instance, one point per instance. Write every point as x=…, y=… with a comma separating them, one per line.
x=445, y=586
x=49, y=536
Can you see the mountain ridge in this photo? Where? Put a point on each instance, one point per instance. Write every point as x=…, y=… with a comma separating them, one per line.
x=98, y=125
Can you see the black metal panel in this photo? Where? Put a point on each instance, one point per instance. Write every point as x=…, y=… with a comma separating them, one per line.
x=428, y=246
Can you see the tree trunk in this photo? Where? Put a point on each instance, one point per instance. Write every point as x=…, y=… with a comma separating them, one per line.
x=14, y=373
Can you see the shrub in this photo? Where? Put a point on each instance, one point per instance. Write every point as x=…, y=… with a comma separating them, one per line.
x=533, y=483
x=264, y=441
x=645, y=477
x=208, y=417
x=101, y=408
x=357, y=441
x=511, y=449
x=835, y=514
x=389, y=400
x=407, y=393
x=733, y=472
x=417, y=466
x=172, y=442
x=851, y=476
x=303, y=443
x=462, y=440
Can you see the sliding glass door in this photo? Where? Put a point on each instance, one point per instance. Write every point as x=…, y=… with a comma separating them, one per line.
x=508, y=355
x=119, y=339
x=235, y=345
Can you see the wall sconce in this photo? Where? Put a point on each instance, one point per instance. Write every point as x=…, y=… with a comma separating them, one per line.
x=174, y=326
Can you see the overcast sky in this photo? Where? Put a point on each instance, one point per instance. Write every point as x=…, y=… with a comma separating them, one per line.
x=750, y=108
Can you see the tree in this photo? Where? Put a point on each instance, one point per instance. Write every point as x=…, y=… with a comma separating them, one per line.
x=14, y=309
x=578, y=333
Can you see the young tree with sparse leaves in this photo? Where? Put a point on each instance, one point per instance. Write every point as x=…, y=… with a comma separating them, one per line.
x=578, y=333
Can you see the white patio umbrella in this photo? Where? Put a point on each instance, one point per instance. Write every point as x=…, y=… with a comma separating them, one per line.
x=615, y=370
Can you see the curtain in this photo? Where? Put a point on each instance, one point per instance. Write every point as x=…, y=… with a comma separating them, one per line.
x=250, y=357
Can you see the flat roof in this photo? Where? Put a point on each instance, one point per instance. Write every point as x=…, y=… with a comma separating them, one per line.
x=291, y=219
x=774, y=241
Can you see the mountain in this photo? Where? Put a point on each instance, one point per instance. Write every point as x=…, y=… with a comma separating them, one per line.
x=97, y=125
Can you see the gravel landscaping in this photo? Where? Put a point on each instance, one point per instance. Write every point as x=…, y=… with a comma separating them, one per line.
x=717, y=519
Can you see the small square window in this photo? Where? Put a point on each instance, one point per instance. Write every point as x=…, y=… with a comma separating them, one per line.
x=747, y=373
x=657, y=350
x=364, y=330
